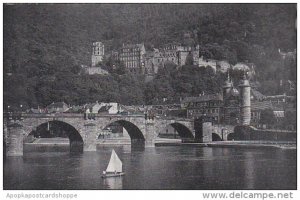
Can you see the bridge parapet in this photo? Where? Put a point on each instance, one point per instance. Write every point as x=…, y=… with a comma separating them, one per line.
x=68, y=115
x=175, y=118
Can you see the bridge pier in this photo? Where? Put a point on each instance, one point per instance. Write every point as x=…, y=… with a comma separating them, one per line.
x=14, y=140
x=203, y=130
x=207, y=131
x=150, y=134
x=90, y=135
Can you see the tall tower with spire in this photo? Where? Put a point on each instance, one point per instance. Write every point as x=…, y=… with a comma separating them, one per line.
x=245, y=103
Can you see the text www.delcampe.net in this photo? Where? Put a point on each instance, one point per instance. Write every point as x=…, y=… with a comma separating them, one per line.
x=248, y=195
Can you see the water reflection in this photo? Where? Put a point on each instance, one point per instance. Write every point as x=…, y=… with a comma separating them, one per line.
x=249, y=170
x=113, y=183
x=177, y=167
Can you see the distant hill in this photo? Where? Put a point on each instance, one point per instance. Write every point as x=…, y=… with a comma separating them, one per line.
x=53, y=40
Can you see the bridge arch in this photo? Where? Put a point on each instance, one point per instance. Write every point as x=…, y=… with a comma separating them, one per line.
x=75, y=138
x=216, y=137
x=133, y=130
x=231, y=136
x=182, y=130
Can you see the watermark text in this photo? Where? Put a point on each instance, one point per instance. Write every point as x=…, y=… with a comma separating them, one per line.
x=53, y=195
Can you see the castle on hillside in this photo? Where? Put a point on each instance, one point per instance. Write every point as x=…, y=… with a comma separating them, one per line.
x=133, y=56
x=138, y=60
x=170, y=53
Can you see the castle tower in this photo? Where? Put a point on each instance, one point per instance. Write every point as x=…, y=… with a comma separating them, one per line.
x=245, y=105
x=98, y=53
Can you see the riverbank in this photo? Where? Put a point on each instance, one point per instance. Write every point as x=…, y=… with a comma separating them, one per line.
x=127, y=141
x=62, y=143
x=239, y=144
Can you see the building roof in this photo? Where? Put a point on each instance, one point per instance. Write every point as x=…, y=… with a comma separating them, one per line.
x=130, y=46
x=209, y=97
x=76, y=109
x=257, y=95
x=34, y=111
x=280, y=97
x=241, y=66
x=133, y=109
x=261, y=105
x=57, y=105
x=89, y=105
x=234, y=92
x=278, y=107
x=104, y=108
x=279, y=113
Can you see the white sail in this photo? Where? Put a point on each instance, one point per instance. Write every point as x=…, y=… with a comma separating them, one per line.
x=115, y=164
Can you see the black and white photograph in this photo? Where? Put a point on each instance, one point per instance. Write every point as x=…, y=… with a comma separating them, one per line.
x=150, y=96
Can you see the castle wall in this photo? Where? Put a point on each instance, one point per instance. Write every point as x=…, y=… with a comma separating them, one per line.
x=207, y=62
x=96, y=59
x=133, y=57
x=182, y=55
x=95, y=70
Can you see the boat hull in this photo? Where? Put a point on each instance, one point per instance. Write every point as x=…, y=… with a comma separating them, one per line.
x=113, y=175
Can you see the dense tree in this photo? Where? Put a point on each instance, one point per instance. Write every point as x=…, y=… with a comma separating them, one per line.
x=267, y=117
x=45, y=45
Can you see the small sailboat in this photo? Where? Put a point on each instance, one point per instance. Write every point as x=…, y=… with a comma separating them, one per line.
x=114, y=167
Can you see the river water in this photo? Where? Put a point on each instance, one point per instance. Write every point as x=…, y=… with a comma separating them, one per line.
x=172, y=167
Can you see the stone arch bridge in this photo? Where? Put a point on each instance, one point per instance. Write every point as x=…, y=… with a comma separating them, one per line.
x=85, y=131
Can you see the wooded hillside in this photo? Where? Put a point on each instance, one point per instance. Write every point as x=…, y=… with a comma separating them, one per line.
x=44, y=45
